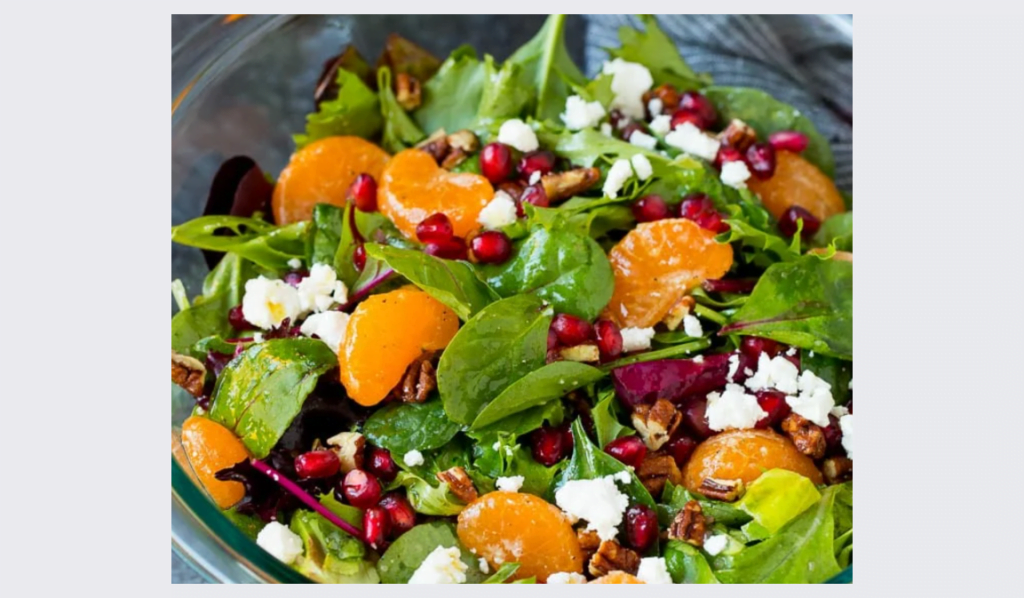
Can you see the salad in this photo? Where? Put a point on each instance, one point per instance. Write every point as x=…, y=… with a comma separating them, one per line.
x=496, y=322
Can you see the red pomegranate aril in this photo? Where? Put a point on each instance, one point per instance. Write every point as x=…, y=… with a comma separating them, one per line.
x=788, y=223
x=712, y=221
x=491, y=247
x=237, y=319
x=753, y=346
x=533, y=195
x=359, y=257
x=696, y=419
x=434, y=228
x=549, y=446
x=650, y=208
x=363, y=193
x=680, y=117
x=376, y=526
x=400, y=513
x=452, y=249
x=496, y=162
x=833, y=434
x=694, y=204
x=629, y=129
x=360, y=489
x=616, y=118
x=641, y=527
x=774, y=404
x=628, y=449
x=609, y=338
x=317, y=464
x=571, y=330
x=681, y=447
x=727, y=154
x=697, y=103
x=541, y=161
x=381, y=464
x=790, y=141
x=761, y=160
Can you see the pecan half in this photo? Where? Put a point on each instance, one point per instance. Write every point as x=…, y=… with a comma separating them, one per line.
x=680, y=310
x=563, y=185
x=612, y=556
x=724, y=490
x=459, y=483
x=419, y=381
x=188, y=373
x=689, y=525
x=738, y=134
x=667, y=93
x=808, y=438
x=349, y=448
x=656, y=423
x=657, y=469
x=464, y=140
x=513, y=188
x=837, y=470
x=586, y=353
x=436, y=145
x=408, y=91
x=589, y=543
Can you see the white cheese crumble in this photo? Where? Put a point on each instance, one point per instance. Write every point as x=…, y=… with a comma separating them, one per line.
x=564, y=578
x=698, y=359
x=641, y=139
x=329, y=326
x=642, y=167
x=295, y=263
x=511, y=483
x=581, y=114
x=691, y=326
x=661, y=125
x=535, y=177
x=444, y=565
x=413, y=458
x=281, y=542
x=518, y=134
x=499, y=212
x=321, y=289
x=655, y=106
x=735, y=174
x=653, y=570
x=599, y=502
x=606, y=129
x=267, y=302
x=839, y=411
x=629, y=82
x=815, y=399
x=692, y=140
x=716, y=544
x=733, y=409
x=846, y=425
x=774, y=372
x=636, y=339
x=734, y=366
x=257, y=337
x=483, y=566
x=618, y=174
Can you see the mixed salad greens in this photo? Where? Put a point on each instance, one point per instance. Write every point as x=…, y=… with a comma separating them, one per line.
x=497, y=322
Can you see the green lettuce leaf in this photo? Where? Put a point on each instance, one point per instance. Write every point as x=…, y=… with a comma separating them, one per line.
x=686, y=564
x=655, y=50
x=428, y=498
x=504, y=95
x=331, y=555
x=265, y=244
x=606, y=420
x=501, y=455
x=451, y=97
x=838, y=231
x=774, y=499
x=400, y=132
x=355, y=111
x=207, y=315
x=547, y=69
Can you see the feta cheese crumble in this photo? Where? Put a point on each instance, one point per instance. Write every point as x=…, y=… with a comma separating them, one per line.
x=733, y=409
x=267, y=302
x=735, y=174
x=698, y=359
x=846, y=425
x=691, y=326
x=815, y=399
x=281, y=542
x=618, y=174
x=641, y=166
x=655, y=106
x=661, y=125
x=499, y=212
x=653, y=570
x=599, y=502
x=641, y=139
x=581, y=114
x=692, y=140
x=444, y=565
x=511, y=483
x=606, y=129
x=839, y=411
x=774, y=372
x=564, y=578
x=321, y=289
x=636, y=339
x=716, y=544
x=629, y=82
x=295, y=263
x=535, y=177
x=518, y=134
x=413, y=458
x=329, y=326
x=483, y=566
x=734, y=366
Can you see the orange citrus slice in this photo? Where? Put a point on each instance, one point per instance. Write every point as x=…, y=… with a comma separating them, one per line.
x=745, y=455
x=210, y=448
x=797, y=182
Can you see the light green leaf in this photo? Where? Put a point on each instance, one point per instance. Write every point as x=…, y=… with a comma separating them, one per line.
x=354, y=112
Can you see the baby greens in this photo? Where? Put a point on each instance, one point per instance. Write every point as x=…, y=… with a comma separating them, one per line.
x=407, y=553
x=550, y=382
x=355, y=111
x=589, y=462
x=655, y=50
x=402, y=427
x=267, y=245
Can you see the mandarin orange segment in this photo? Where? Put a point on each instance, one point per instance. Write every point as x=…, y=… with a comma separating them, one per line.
x=210, y=448
x=321, y=172
x=385, y=334
x=413, y=187
x=745, y=455
x=511, y=527
x=656, y=264
x=797, y=182
x=617, y=577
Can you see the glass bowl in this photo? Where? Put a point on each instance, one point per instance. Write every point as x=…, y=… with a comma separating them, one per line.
x=242, y=86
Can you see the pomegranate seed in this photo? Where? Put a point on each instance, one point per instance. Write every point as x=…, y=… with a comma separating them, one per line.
x=317, y=464
x=237, y=319
x=541, y=161
x=727, y=154
x=491, y=247
x=549, y=445
x=774, y=404
x=681, y=447
x=788, y=222
x=567, y=441
x=628, y=449
x=753, y=346
x=790, y=141
x=833, y=434
x=650, y=208
x=694, y=204
x=360, y=489
x=435, y=228
x=363, y=193
x=629, y=129
x=571, y=330
x=761, y=160
x=695, y=102
x=552, y=340
x=641, y=527
x=609, y=338
x=381, y=464
x=711, y=221
x=850, y=404
x=688, y=116
x=452, y=249
x=400, y=513
x=696, y=418
x=359, y=257
x=376, y=526
x=533, y=195
x=496, y=162
x=294, y=277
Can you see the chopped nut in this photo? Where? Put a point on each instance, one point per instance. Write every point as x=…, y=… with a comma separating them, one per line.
x=808, y=438
x=188, y=373
x=667, y=93
x=419, y=381
x=585, y=353
x=689, y=525
x=464, y=140
x=436, y=145
x=657, y=469
x=724, y=490
x=513, y=188
x=837, y=470
x=738, y=135
x=563, y=185
x=612, y=556
x=459, y=483
x=408, y=91
x=589, y=543
x=349, y=448
x=455, y=157
x=680, y=310
x=656, y=423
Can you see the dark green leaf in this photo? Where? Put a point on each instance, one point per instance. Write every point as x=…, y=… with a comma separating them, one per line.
x=548, y=69
x=606, y=420
x=501, y=455
x=590, y=462
x=408, y=552
x=452, y=96
x=655, y=50
x=265, y=244
x=676, y=497
x=208, y=314
x=671, y=352
x=551, y=381
x=686, y=564
x=354, y=112
x=837, y=372
x=504, y=572
x=402, y=427
x=400, y=132
x=551, y=412
x=330, y=555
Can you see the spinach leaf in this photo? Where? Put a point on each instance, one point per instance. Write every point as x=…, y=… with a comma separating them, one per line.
x=402, y=427
x=207, y=315
x=606, y=420
x=353, y=112
x=686, y=564
x=552, y=412
x=503, y=573
x=253, y=239
x=426, y=498
x=500, y=455
x=807, y=303
x=502, y=343
x=836, y=372
x=408, y=552
x=568, y=270
x=453, y=283
x=451, y=97
x=262, y=390
x=837, y=229
x=333, y=241
x=548, y=69
x=551, y=381
x=589, y=462
x=400, y=132
x=655, y=50
x=768, y=115
x=331, y=555
x=670, y=352
x=504, y=95
x=676, y=497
